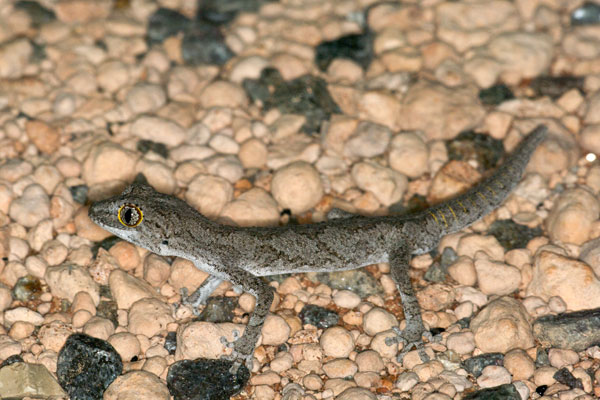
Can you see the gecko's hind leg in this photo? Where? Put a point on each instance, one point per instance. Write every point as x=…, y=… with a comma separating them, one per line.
x=243, y=348
x=412, y=335
x=201, y=294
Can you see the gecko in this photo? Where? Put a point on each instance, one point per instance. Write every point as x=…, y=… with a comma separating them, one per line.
x=168, y=226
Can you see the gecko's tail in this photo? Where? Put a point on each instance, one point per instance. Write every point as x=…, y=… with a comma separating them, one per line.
x=459, y=212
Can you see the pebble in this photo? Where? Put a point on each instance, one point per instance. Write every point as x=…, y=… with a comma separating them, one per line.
x=560, y=358
x=254, y=207
x=45, y=137
x=297, y=186
x=202, y=339
x=369, y=361
x=463, y=271
x=496, y=278
x=461, y=342
x=31, y=207
x=21, y=380
x=137, y=384
x=368, y=140
x=409, y=154
x=209, y=194
x=253, y=153
x=227, y=167
x=145, y=98
x=492, y=376
x=149, y=316
x=337, y=342
x=504, y=315
x=127, y=289
x=571, y=280
x=22, y=314
x=275, y=331
x=320, y=317
x=356, y=394
x=340, y=368
x=406, y=381
x=346, y=299
x=108, y=161
x=15, y=56
x=66, y=280
x=378, y=320
x=387, y=185
x=223, y=94
x=87, y=366
x=158, y=130
x=126, y=344
x=571, y=217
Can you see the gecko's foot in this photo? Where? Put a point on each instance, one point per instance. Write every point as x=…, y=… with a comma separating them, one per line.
x=194, y=300
x=411, y=340
x=237, y=358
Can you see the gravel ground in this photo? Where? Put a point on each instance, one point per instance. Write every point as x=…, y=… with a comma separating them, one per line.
x=262, y=113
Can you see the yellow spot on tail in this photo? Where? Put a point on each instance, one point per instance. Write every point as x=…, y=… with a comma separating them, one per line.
x=452, y=211
x=491, y=190
x=434, y=217
x=461, y=204
x=500, y=184
x=443, y=217
x=482, y=196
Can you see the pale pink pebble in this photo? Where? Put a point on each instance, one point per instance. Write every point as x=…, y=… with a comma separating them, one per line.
x=381, y=108
x=214, y=120
x=156, y=270
x=368, y=140
x=8, y=347
x=464, y=310
x=126, y=344
x=497, y=124
x=290, y=66
x=470, y=244
x=31, y=207
x=81, y=317
x=13, y=170
x=5, y=298
x=40, y=234
x=152, y=351
x=48, y=177
x=519, y=364
x=137, y=385
x=336, y=386
x=264, y=392
x=337, y=342
x=571, y=217
x=127, y=289
x=388, y=186
x=367, y=379
x=406, y=381
x=54, y=252
x=53, y=335
x=6, y=197
x=297, y=186
x=253, y=153
x=340, y=368
x=149, y=316
x=560, y=358
x=436, y=297
x=312, y=382
x=61, y=211
x=369, y=361
x=83, y=301
x=102, y=266
x=496, y=278
x=254, y=207
x=209, y=194
x=185, y=274
x=225, y=166
x=155, y=365
x=266, y=378
x=463, y=271
x=145, y=98
x=493, y=375
x=159, y=175
x=381, y=347
x=282, y=362
x=112, y=75
x=109, y=161
x=586, y=380
x=44, y=308
x=159, y=130
x=46, y=138
x=82, y=11
x=557, y=305
x=20, y=330
x=346, y=299
x=223, y=94
x=14, y=56
x=224, y=144
x=98, y=327
x=593, y=109
x=571, y=280
x=19, y=249
x=275, y=330
x=544, y=376
x=501, y=326
x=428, y=370
x=36, y=266
x=378, y=320
x=461, y=342
x=344, y=71
x=66, y=281
x=247, y=67
x=408, y=154
x=203, y=339
x=126, y=255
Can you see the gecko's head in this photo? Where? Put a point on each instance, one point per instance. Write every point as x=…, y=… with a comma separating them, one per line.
x=142, y=216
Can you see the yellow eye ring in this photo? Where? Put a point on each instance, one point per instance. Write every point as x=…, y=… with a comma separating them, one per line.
x=130, y=215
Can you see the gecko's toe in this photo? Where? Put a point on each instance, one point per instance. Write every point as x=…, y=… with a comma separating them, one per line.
x=410, y=341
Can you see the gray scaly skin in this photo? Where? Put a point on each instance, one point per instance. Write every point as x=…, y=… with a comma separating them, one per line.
x=168, y=226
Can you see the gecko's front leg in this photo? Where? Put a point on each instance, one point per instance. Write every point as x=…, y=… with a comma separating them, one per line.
x=412, y=335
x=243, y=348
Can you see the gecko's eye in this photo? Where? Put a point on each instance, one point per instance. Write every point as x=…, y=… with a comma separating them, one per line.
x=130, y=215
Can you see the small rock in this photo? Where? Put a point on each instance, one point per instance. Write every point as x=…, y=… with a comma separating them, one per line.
x=127, y=289
x=368, y=140
x=43, y=136
x=209, y=194
x=22, y=314
x=87, y=366
x=369, y=361
x=355, y=393
x=158, y=130
x=406, y=381
x=297, y=186
x=560, y=358
x=126, y=344
x=109, y=161
x=32, y=207
x=502, y=326
x=496, y=278
x=14, y=57
x=493, y=376
x=461, y=342
x=337, y=342
x=340, y=368
x=378, y=320
x=346, y=299
x=71, y=11
x=572, y=215
x=66, y=280
x=255, y=207
x=223, y=94
x=253, y=153
x=387, y=185
x=409, y=155
x=145, y=98
x=149, y=316
x=203, y=339
x=226, y=166
x=140, y=385
x=275, y=330
x=21, y=380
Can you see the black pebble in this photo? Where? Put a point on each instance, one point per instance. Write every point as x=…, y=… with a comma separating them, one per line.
x=205, y=379
x=87, y=366
x=320, y=317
